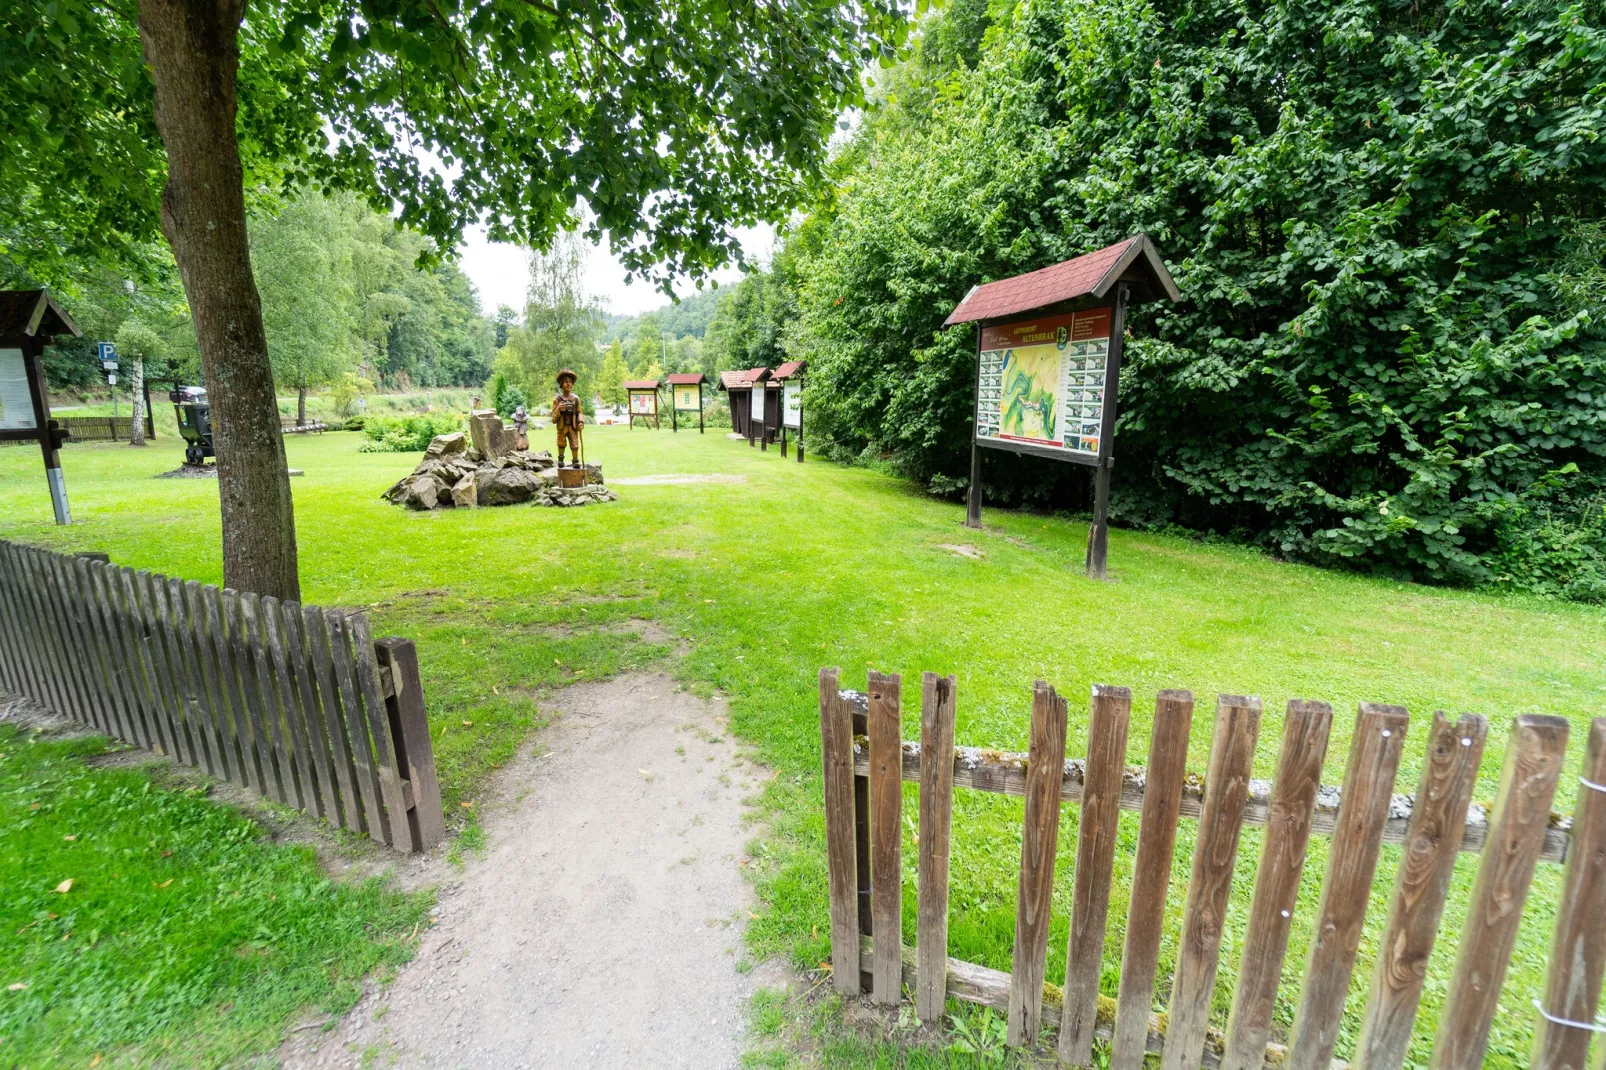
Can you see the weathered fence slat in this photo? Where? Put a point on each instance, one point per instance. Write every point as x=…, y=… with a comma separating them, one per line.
x=121, y=659
x=153, y=662
x=1421, y=883
x=1535, y=752
x=1374, y=759
x=357, y=738
x=410, y=730
x=1578, y=948
x=937, y=705
x=314, y=717
x=271, y=618
x=120, y=621
x=89, y=643
x=1151, y=874
x=1232, y=752
x=1096, y=833
x=1306, y=726
x=1039, y=838
x=196, y=683
x=203, y=630
x=321, y=649
x=378, y=718
x=886, y=831
x=256, y=677
x=307, y=709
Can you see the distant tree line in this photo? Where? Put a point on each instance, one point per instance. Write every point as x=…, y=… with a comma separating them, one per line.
x=344, y=297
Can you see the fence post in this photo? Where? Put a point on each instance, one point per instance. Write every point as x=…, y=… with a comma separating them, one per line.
x=1578, y=950
x=1045, y=774
x=415, y=754
x=1306, y=727
x=1221, y=819
x=1438, y=819
x=1535, y=751
x=886, y=834
x=836, y=747
x=1151, y=874
x=936, y=821
x=1096, y=833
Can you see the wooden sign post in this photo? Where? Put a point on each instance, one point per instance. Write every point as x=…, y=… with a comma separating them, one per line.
x=686, y=395
x=642, y=395
x=29, y=319
x=1048, y=363
x=790, y=376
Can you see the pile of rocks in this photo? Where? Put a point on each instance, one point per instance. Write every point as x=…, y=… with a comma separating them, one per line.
x=455, y=474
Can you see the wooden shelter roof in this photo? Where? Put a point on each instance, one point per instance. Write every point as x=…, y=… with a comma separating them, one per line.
x=790, y=368
x=641, y=384
x=1134, y=261
x=33, y=313
x=686, y=378
x=733, y=380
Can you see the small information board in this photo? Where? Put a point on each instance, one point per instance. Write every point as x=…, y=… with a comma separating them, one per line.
x=16, y=402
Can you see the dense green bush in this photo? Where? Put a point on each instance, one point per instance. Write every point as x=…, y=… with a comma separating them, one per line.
x=1385, y=218
x=407, y=434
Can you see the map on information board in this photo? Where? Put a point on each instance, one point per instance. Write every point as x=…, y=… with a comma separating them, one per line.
x=686, y=399
x=16, y=403
x=644, y=402
x=1042, y=382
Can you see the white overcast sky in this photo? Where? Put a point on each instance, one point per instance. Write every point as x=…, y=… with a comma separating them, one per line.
x=501, y=274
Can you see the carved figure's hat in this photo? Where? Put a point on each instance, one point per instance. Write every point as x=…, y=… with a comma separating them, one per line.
x=568, y=374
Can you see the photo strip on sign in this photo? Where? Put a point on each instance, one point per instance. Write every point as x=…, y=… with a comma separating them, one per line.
x=1044, y=384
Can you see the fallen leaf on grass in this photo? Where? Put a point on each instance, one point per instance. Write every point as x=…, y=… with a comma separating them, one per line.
x=18, y=987
x=64, y=887
x=69, y=839
x=468, y=724
x=96, y=1060
x=167, y=854
x=165, y=883
x=466, y=805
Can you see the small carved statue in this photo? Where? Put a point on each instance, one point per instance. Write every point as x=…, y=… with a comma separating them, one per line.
x=567, y=417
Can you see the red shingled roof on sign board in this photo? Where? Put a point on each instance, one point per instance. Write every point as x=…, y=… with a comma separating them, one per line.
x=641, y=384
x=733, y=380
x=686, y=378
x=1094, y=274
x=790, y=368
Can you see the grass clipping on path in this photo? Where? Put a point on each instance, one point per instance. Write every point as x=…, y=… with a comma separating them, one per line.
x=182, y=937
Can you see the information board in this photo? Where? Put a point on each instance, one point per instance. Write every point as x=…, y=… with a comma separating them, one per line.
x=16, y=403
x=1043, y=384
x=686, y=399
x=643, y=403
x=757, y=415
x=792, y=404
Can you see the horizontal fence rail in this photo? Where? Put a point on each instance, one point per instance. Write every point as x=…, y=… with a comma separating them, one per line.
x=865, y=764
x=299, y=703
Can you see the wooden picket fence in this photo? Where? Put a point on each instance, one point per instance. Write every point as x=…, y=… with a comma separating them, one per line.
x=865, y=761
x=298, y=703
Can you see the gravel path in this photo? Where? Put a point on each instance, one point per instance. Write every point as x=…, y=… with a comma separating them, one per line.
x=603, y=925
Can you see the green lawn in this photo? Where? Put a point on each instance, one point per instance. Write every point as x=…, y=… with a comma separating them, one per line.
x=796, y=567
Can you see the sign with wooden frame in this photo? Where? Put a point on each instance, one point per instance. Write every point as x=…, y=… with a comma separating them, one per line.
x=642, y=398
x=790, y=376
x=686, y=395
x=29, y=319
x=1048, y=365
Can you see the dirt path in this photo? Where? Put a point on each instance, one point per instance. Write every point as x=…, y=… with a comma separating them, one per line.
x=602, y=926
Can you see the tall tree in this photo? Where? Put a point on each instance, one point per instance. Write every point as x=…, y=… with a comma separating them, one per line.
x=672, y=121
x=560, y=320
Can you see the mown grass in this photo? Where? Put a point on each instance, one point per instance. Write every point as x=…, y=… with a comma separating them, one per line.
x=796, y=567
x=143, y=925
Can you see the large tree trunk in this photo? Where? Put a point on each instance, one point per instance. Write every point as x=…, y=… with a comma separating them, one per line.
x=136, y=401
x=192, y=47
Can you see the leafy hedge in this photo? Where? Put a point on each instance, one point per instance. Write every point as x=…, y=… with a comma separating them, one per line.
x=406, y=434
x=1385, y=218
